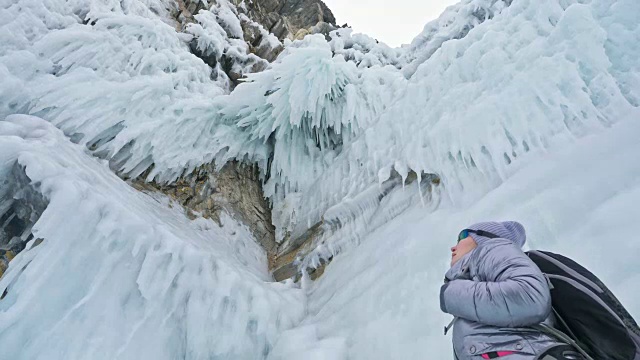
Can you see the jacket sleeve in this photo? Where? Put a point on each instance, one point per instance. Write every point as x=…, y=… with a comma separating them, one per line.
x=513, y=292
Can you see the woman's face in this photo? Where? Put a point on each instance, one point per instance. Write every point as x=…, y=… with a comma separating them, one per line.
x=463, y=247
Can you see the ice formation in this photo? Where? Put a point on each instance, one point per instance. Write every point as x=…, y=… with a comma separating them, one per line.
x=537, y=76
x=123, y=275
x=379, y=300
x=219, y=40
x=455, y=23
x=522, y=109
x=117, y=77
x=297, y=116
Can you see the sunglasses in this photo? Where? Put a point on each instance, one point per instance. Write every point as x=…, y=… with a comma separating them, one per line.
x=465, y=234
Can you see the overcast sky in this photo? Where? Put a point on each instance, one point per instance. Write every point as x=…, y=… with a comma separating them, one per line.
x=393, y=22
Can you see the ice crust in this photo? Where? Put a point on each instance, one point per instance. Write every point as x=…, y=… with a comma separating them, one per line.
x=117, y=77
x=298, y=115
x=125, y=275
x=525, y=110
x=487, y=82
x=539, y=75
x=454, y=23
x=379, y=300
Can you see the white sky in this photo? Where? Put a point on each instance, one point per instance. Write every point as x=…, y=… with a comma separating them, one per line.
x=393, y=22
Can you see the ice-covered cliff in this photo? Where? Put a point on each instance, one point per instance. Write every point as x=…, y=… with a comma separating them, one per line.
x=117, y=114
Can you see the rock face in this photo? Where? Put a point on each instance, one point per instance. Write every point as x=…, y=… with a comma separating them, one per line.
x=236, y=189
x=254, y=36
x=285, y=18
x=226, y=39
x=21, y=205
x=236, y=38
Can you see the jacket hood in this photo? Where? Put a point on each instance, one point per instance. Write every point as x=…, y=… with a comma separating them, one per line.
x=510, y=230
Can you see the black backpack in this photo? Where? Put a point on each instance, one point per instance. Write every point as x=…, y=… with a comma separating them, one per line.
x=587, y=311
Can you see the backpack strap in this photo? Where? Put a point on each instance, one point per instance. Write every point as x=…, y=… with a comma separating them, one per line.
x=446, y=328
x=564, y=324
x=563, y=337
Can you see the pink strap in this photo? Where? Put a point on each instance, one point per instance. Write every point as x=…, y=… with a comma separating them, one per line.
x=500, y=354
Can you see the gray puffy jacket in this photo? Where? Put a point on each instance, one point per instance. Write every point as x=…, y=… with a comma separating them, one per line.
x=496, y=292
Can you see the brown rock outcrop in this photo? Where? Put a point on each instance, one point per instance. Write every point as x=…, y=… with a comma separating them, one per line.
x=236, y=189
x=284, y=18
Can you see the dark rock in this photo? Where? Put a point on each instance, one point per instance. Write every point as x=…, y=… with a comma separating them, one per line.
x=287, y=271
x=236, y=189
x=186, y=10
x=324, y=29
x=21, y=205
x=284, y=18
x=209, y=59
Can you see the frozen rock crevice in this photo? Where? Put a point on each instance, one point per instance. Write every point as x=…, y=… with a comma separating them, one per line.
x=21, y=205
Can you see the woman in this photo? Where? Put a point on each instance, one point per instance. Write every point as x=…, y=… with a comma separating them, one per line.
x=497, y=294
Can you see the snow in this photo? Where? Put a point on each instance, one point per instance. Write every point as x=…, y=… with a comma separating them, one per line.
x=301, y=112
x=218, y=34
x=123, y=275
x=379, y=299
x=454, y=23
x=267, y=38
x=514, y=85
x=117, y=77
x=362, y=49
x=525, y=110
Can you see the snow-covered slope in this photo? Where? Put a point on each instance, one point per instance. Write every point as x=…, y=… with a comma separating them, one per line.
x=523, y=109
x=124, y=275
x=379, y=300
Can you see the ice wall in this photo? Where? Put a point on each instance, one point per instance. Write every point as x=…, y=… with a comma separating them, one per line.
x=118, y=77
x=326, y=120
x=534, y=77
x=526, y=111
x=453, y=24
x=125, y=275
x=298, y=115
x=379, y=300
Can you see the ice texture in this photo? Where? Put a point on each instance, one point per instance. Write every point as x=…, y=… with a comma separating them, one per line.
x=524, y=110
x=379, y=300
x=453, y=24
x=364, y=50
x=219, y=38
x=117, y=77
x=536, y=76
x=328, y=120
x=125, y=275
x=299, y=114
